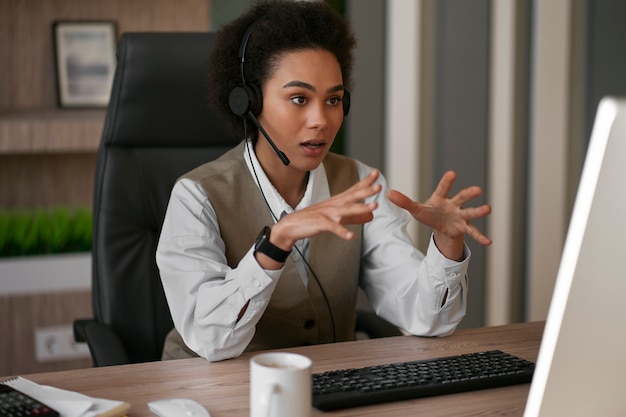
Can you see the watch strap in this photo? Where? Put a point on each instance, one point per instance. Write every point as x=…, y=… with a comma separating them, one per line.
x=267, y=248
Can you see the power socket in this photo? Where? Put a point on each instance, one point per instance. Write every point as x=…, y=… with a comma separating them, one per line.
x=57, y=343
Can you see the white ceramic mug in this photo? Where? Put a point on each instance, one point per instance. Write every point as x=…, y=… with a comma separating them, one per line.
x=280, y=385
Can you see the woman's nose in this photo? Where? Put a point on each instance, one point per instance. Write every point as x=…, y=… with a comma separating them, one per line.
x=318, y=116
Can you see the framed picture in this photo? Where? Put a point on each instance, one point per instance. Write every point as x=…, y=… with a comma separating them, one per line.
x=85, y=62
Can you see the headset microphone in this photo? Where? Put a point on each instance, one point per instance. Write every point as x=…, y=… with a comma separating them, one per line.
x=280, y=153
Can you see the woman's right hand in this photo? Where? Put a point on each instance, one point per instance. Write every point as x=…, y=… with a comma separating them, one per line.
x=330, y=215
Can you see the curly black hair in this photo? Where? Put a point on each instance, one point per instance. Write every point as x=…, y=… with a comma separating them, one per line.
x=279, y=26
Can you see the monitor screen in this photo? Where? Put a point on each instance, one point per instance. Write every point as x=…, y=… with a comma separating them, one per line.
x=581, y=365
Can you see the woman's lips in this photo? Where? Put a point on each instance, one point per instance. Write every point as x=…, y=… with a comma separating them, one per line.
x=313, y=148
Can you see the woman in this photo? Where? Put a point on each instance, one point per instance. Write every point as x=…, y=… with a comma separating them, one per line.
x=266, y=246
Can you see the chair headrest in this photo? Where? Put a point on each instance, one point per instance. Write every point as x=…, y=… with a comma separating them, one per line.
x=160, y=93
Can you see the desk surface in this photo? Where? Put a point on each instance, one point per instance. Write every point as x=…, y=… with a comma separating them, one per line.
x=223, y=387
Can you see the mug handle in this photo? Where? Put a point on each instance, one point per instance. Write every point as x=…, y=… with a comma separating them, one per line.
x=267, y=395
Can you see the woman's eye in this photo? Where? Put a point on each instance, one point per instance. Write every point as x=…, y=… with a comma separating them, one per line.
x=298, y=99
x=333, y=101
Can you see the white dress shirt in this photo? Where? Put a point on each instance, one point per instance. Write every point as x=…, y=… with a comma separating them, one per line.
x=205, y=295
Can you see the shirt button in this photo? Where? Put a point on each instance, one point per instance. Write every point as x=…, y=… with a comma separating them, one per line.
x=453, y=275
x=295, y=257
x=256, y=283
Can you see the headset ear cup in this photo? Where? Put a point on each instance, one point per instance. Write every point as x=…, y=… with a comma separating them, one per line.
x=239, y=101
x=345, y=102
x=244, y=98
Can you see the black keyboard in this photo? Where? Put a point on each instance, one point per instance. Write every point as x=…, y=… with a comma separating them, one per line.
x=407, y=380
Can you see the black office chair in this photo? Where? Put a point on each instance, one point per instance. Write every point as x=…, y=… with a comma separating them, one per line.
x=158, y=126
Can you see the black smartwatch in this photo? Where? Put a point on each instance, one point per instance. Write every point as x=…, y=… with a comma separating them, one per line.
x=266, y=247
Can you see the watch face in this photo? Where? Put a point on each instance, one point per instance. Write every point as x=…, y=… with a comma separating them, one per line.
x=262, y=238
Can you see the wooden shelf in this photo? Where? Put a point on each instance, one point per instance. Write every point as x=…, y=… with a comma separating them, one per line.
x=47, y=154
x=50, y=131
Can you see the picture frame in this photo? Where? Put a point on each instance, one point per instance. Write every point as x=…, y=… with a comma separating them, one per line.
x=85, y=62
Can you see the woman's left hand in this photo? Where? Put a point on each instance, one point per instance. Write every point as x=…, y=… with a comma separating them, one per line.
x=446, y=215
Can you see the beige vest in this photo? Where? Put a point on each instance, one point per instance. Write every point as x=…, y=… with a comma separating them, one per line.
x=296, y=315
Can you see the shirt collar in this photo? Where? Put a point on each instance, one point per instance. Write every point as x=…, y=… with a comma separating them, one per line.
x=316, y=188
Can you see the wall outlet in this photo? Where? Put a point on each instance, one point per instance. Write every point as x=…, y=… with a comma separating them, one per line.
x=57, y=343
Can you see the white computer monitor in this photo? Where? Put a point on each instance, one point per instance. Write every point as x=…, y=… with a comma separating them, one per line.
x=581, y=367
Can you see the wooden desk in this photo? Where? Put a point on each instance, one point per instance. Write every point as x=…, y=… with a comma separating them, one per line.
x=223, y=387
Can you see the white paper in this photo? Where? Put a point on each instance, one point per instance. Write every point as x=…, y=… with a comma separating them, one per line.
x=67, y=403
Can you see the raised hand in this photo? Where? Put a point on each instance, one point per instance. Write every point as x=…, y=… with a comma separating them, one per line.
x=446, y=215
x=329, y=215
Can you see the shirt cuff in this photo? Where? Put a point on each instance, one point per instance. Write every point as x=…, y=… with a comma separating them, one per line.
x=255, y=280
x=453, y=271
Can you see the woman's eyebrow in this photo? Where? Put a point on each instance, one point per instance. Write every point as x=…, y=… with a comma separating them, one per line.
x=301, y=84
x=336, y=88
x=309, y=87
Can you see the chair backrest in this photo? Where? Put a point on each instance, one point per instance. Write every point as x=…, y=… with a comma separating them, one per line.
x=158, y=126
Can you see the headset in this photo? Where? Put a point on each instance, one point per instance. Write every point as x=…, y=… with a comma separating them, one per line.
x=246, y=99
